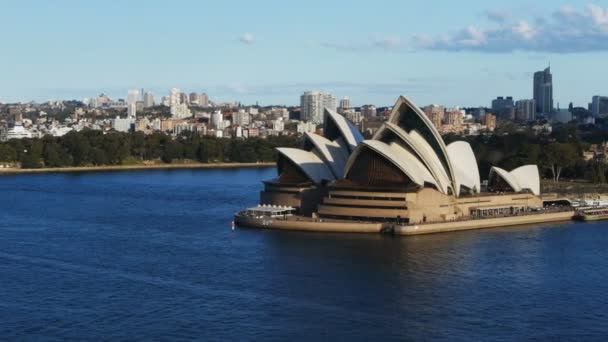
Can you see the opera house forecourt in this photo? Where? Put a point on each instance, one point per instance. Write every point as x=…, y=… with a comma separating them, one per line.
x=405, y=180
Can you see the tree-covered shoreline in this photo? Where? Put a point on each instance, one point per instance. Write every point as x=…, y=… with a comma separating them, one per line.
x=559, y=155
x=93, y=148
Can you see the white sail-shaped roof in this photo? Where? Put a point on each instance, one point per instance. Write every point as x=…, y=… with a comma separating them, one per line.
x=506, y=176
x=522, y=178
x=337, y=126
x=465, y=166
x=334, y=155
x=434, y=164
x=407, y=158
x=322, y=158
x=423, y=151
x=527, y=177
x=407, y=115
x=309, y=163
x=396, y=155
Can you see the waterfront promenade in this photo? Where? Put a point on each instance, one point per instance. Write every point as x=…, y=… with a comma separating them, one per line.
x=342, y=226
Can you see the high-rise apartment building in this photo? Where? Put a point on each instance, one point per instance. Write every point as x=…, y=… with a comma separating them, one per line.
x=489, y=120
x=183, y=98
x=203, y=100
x=504, y=107
x=193, y=98
x=525, y=110
x=241, y=118
x=599, y=105
x=148, y=100
x=216, y=119
x=368, y=111
x=278, y=125
x=132, y=109
x=313, y=104
x=180, y=111
x=436, y=119
x=455, y=117
x=543, y=91
x=436, y=113
x=103, y=100
x=279, y=112
x=174, y=97
x=353, y=116
x=344, y=104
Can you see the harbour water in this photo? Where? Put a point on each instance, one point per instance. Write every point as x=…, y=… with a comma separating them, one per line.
x=151, y=255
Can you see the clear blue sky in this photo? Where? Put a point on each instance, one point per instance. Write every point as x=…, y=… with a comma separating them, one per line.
x=449, y=52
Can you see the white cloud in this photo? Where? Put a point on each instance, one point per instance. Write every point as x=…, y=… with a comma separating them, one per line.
x=599, y=15
x=247, y=38
x=567, y=30
x=524, y=30
x=472, y=36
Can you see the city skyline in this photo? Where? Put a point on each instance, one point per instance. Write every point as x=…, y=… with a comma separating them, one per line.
x=69, y=50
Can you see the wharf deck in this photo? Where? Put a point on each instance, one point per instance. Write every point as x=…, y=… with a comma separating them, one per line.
x=344, y=226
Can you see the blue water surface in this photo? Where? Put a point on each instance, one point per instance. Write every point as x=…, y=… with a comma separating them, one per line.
x=150, y=255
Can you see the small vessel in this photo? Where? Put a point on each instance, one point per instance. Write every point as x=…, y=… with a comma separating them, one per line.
x=593, y=214
x=263, y=215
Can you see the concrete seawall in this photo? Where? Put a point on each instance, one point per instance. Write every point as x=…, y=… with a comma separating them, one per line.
x=428, y=228
x=312, y=226
x=482, y=223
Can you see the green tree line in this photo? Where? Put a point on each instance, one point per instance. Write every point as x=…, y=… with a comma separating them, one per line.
x=558, y=155
x=93, y=148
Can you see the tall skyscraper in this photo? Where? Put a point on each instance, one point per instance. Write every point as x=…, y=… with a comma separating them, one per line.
x=543, y=91
x=313, y=104
x=132, y=96
x=203, y=100
x=599, y=105
x=132, y=109
x=148, y=100
x=174, y=97
x=525, y=110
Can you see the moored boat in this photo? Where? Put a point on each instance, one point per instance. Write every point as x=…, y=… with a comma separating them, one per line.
x=594, y=214
x=262, y=216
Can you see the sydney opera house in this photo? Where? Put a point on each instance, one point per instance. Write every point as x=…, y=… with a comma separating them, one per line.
x=405, y=175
